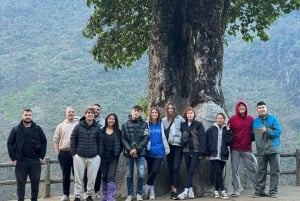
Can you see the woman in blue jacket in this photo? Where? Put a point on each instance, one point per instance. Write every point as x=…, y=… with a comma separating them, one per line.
x=157, y=149
x=219, y=137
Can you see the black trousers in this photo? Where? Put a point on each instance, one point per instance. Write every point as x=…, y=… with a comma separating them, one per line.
x=109, y=170
x=153, y=165
x=66, y=164
x=191, y=162
x=218, y=166
x=23, y=169
x=174, y=160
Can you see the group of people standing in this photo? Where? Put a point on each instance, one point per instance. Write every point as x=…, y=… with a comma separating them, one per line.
x=92, y=146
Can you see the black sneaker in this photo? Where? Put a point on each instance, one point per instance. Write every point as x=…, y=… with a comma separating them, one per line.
x=258, y=195
x=77, y=199
x=175, y=196
x=89, y=198
x=171, y=194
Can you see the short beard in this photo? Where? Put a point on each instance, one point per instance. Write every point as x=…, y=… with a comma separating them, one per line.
x=27, y=122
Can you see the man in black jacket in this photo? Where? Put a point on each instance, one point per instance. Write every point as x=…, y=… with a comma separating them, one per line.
x=85, y=148
x=134, y=139
x=26, y=146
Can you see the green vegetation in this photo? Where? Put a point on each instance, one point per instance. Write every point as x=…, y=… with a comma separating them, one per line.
x=46, y=65
x=122, y=27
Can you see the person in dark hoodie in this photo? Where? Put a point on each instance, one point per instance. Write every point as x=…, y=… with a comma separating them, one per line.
x=135, y=137
x=85, y=146
x=219, y=137
x=241, y=148
x=27, y=146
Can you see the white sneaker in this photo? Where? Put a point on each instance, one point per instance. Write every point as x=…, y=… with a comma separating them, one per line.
x=64, y=198
x=146, y=189
x=139, y=197
x=224, y=195
x=98, y=194
x=129, y=198
x=152, y=194
x=216, y=194
x=191, y=194
x=183, y=195
x=85, y=195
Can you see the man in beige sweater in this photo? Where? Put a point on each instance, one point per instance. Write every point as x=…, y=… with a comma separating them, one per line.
x=61, y=140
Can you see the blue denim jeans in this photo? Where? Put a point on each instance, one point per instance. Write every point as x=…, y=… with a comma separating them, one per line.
x=140, y=164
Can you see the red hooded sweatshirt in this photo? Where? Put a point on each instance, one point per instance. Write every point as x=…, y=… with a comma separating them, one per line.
x=241, y=127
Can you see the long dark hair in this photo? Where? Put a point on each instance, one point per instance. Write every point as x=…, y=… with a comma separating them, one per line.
x=116, y=125
x=175, y=112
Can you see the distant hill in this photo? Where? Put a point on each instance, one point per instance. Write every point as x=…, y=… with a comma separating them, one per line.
x=45, y=64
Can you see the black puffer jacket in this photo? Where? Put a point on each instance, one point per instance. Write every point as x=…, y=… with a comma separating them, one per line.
x=118, y=147
x=212, y=142
x=86, y=140
x=135, y=135
x=17, y=137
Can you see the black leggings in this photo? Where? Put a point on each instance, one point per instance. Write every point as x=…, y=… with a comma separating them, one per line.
x=191, y=162
x=153, y=165
x=109, y=169
x=174, y=160
x=218, y=167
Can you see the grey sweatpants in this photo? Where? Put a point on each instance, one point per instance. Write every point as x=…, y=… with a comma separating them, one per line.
x=250, y=163
x=92, y=165
x=274, y=161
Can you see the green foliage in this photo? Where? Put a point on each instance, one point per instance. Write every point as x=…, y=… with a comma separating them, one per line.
x=252, y=18
x=122, y=27
x=143, y=102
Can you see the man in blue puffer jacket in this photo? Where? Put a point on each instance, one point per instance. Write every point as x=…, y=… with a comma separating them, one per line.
x=267, y=137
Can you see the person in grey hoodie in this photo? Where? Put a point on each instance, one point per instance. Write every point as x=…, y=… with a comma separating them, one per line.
x=85, y=146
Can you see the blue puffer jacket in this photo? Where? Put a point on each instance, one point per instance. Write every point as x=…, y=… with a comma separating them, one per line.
x=267, y=142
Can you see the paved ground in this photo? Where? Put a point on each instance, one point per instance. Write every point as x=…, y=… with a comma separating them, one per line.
x=286, y=193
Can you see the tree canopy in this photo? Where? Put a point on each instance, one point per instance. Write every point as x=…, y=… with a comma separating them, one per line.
x=122, y=27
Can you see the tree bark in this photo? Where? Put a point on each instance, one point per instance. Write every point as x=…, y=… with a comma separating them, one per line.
x=186, y=52
x=186, y=57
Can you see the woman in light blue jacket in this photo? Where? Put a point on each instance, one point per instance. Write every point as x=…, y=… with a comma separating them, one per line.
x=172, y=125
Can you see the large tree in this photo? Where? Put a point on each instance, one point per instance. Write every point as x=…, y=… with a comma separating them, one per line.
x=184, y=38
x=185, y=42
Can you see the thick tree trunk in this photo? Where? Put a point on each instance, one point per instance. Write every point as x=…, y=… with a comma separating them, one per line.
x=186, y=56
x=186, y=51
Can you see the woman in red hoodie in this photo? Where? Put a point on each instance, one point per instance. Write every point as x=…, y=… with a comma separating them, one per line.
x=241, y=148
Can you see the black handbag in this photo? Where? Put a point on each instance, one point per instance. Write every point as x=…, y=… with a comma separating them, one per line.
x=167, y=131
